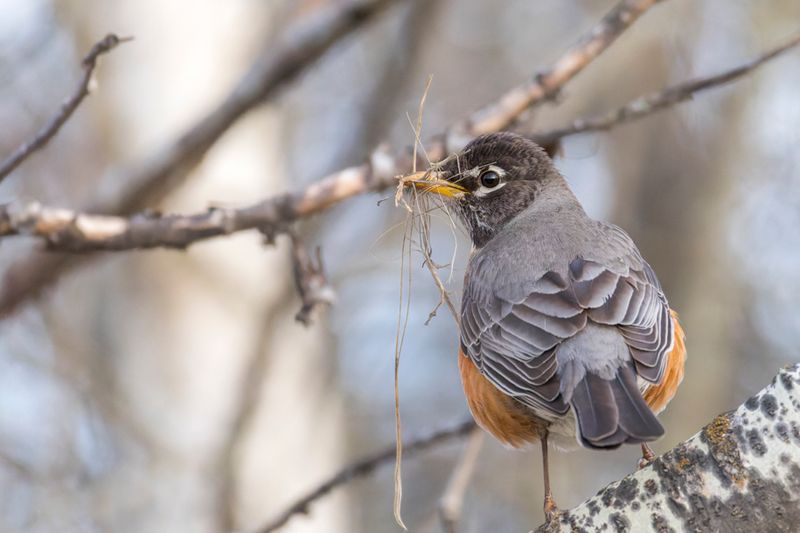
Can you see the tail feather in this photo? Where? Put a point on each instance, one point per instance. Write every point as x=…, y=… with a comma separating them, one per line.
x=594, y=402
x=635, y=416
x=612, y=441
x=613, y=412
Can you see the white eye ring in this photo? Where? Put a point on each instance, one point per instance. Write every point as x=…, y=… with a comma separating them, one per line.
x=482, y=190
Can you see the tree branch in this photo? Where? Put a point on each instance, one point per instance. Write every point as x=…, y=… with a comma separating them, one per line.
x=68, y=107
x=740, y=473
x=297, y=49
x=668, y=97
x=452, y=500
x=310, y=280
x=69, y=231
x=363, y=468
x=547, y=83
x=245, y=409
x=155, y=176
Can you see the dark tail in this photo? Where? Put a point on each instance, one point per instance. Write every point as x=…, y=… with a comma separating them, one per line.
x=613, y=412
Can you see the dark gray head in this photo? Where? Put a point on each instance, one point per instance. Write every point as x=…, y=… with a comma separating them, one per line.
x=496, y=177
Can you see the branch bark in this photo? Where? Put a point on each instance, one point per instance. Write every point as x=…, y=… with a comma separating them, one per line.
x=740, y=473
x=68, y=107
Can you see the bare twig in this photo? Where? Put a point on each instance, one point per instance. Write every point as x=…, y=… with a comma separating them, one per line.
x=68, y=107
x=668, y=97
x=363, y=468
x=310, y=280
x=453, y=498
x=547, y=83
x=163, y=171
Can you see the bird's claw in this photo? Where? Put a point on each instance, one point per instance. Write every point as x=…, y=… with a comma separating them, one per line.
x=647, y=457
x=550, y=509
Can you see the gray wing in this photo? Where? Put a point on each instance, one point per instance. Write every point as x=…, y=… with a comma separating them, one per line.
x=513, y=339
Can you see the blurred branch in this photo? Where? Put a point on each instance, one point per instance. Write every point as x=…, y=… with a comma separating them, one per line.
x=71, y=231
x=310, y=280
x=668, y=97
x=156, y=176
x=547, y=83
x=246, y=407
x=453, y=498
x=65, y=230
x=740, y=473
x=68, y=107
x=363, y=468
x=19, y=469
x=298, y=48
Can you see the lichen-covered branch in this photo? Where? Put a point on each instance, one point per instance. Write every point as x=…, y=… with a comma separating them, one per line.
x=740, y=473
x=68, y=107
x=648, y=104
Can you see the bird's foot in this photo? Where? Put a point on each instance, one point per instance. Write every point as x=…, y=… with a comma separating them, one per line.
x=550, y=509
x=647, y=457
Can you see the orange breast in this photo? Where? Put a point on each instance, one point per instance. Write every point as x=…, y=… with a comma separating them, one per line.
x=509, y=422
x=658, y=396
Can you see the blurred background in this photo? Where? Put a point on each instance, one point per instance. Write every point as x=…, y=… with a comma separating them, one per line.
x=172, y=391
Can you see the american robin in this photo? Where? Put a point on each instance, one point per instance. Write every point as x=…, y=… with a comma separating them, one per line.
x=566, y=334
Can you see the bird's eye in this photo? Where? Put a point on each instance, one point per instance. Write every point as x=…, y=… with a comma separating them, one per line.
x=490, y=179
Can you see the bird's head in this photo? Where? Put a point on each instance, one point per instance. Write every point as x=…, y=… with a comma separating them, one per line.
x=495, y=177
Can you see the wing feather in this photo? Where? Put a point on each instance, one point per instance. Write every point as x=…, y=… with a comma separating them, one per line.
x=512, y=334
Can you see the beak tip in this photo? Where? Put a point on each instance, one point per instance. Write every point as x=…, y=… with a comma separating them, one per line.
x=433, y=181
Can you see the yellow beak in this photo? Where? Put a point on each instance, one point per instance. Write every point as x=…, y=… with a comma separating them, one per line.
x=429, y=181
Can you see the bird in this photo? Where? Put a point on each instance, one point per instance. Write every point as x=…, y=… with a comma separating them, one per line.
x=566, y=335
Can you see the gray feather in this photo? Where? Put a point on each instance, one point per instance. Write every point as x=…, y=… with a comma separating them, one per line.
x=596, y=408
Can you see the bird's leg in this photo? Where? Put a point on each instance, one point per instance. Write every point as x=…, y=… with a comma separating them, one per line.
x=550, y=508
x=647, y=456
